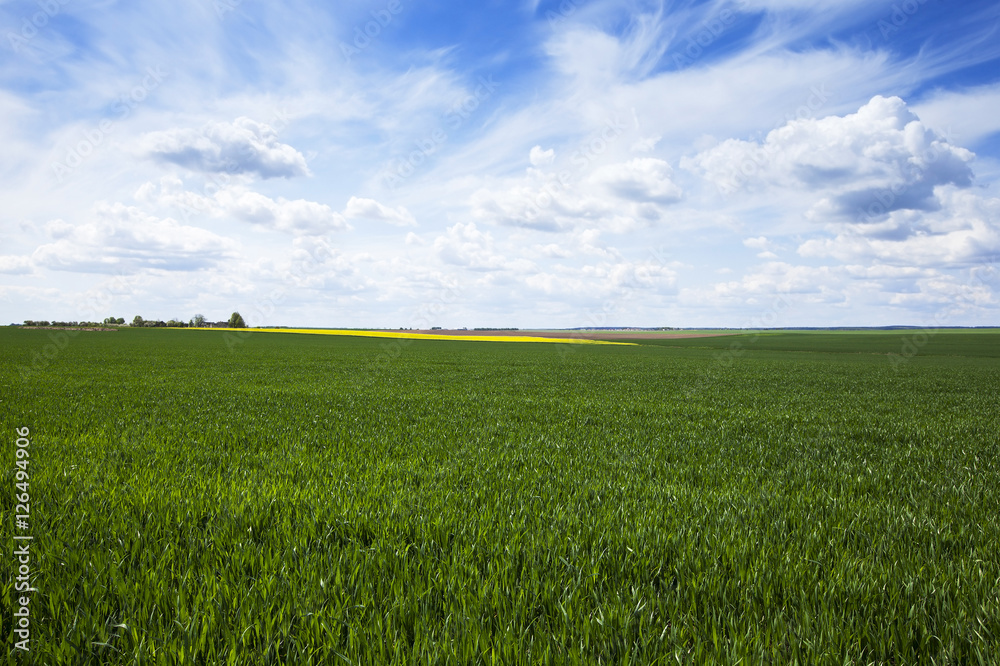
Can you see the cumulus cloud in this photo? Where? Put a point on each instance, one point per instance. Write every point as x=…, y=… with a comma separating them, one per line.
x=314, y=264
x=539, y=157
x=297, y=216
x=618, y=280
x=553, y=250
x=373, y=210
x=863, y=165
x=966, y=231
x=465, y=245
x=120, y=237
x=646, y=144
x=772, y=293
x=641, y=180
x=535, y=202
x=780, y=293
x=765, y=247
x=618, y=197
x=12, y=264
x=243, y=146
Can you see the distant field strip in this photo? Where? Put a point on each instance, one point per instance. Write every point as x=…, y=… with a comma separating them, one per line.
x=422, y=336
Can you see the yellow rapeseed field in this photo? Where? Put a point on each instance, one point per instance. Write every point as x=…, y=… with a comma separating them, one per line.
x=422, y=336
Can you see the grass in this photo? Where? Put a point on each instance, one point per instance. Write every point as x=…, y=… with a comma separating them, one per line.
x=301, y=499
x=981, y=343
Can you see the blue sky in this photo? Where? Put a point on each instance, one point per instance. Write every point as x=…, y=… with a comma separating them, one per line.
x=535, y=164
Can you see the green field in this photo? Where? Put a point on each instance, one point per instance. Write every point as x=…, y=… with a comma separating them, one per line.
x=802, y=498
x=902, y=343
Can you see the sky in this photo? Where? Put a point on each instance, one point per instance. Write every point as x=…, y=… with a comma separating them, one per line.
x=532, y=164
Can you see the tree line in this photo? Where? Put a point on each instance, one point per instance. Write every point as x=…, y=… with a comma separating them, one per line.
x=198, y=321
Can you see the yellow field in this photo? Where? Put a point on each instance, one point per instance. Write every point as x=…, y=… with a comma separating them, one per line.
x=409, y=335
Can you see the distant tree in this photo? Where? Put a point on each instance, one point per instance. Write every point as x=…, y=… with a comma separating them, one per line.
x=138, y=321
x=198, y=321
x=236, y=321
x=120, y=321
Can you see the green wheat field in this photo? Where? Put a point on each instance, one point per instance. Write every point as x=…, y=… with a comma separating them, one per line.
x=781, y=498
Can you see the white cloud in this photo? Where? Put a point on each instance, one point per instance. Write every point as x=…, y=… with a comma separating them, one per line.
x=243, y=146
x=465, y=245
x=968, y=115
x=966, y=231
x=535, y=202
x=615, y=281
x=15, y=265
x=539, y=157
x=373, y=210
x=642, y=180
x=618, y=197
x=865, y=164
x=553, y=250
x=123, y=238
x=298, y=216
x=765, y=246
x=772, y=294
x=646, y=144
